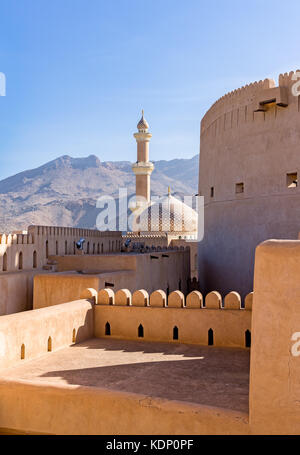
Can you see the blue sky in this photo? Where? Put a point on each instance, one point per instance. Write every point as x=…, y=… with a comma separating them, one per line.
x=80, y=71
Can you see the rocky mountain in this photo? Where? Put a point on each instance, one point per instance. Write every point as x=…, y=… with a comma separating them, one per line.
x=64, y=191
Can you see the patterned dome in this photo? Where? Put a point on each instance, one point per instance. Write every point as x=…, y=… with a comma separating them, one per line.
x=167, y=214
x=143, y=124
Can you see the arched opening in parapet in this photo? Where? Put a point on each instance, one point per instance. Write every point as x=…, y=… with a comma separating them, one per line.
x=49, y=344
x=107, y=329
x=141, y=331
x=23, y=352
x=4, y=263
x=74, y=247
x=20, y=261
x=56, y=248
x=210, y=337
x=66, y=247
x=101, y=247
x=248, y=339
x=34, y=260
x=109, y=246
x=98, y=249
x=112, y=245
x=175, y=333
x=47, y=249
x=88, y=248
x=94, y=248
x=74, y=336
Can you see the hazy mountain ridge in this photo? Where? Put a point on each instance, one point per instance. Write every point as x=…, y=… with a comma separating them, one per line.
x=65, y=191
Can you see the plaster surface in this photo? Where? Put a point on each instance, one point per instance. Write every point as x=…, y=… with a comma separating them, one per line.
x=216, y=377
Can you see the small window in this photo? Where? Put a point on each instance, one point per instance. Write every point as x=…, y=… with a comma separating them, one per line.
x=20, y=265
x=49, y=344
x=210, y=337
x=23, y=352
x=212, y=191
x=175, y=333
x=74, y=336
x=239, y=188
x=141, y=331
x=248, y=339
x=292, y=180
x=34, y=260
x=4, y=263
x=107, y=329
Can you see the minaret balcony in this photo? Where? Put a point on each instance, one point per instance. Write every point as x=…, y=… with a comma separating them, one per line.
x=142, y=168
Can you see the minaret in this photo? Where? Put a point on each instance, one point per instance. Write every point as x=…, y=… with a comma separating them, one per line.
x=143, y=167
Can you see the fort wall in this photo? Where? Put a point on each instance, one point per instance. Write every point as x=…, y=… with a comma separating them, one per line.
x=275, y=353
x=22, y=256
x=248, y=161
x=28, y=335
x=168, y=270
x=173, y=319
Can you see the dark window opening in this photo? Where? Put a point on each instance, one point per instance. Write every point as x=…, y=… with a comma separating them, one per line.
x=248, y=339
x=107, y=329
x=210, y=337
x=239, y=188
x=20, y=261
x=212, y=191
x=292, y=180
x=4, y=266
x=175, y=333
x=141, y=331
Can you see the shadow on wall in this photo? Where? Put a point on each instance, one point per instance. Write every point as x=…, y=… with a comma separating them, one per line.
x=213, y=377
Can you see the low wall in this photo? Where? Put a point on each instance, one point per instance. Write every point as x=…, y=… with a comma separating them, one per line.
x=156, y=318
x=26, y=335
x=166, y=270
x=16, y=292
x=88, y=411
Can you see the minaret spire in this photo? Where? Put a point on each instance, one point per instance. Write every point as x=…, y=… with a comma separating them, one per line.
x=143, y=167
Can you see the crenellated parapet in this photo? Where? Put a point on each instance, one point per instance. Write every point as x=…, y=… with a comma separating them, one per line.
x=174, y=318
x=245, y=104
x=32, y=250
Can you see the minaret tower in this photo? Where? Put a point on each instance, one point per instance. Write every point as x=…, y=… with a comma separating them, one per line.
x=143, y=167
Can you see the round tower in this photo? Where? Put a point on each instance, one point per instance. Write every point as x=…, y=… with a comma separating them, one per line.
x=143, y=167
x=249, y=169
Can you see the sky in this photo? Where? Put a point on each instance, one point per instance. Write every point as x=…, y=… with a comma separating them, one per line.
x=79, y=72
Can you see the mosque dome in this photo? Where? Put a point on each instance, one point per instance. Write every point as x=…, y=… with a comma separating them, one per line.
x=167, y=214
x=143, y=124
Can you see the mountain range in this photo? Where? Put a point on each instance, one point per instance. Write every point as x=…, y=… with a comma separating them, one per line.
x=64, y=192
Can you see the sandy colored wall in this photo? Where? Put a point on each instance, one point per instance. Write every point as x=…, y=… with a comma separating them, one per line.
x=274, y=370
x=229, y=326
x=33, y=329
x=87, y=411
x=101, y=263
x=129, y=271
x=16, y=292
x=258, y=149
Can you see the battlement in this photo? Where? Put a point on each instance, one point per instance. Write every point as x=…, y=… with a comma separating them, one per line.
x=172, y=318
x=32, y=250
x=58, y=231
x=238, y=106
